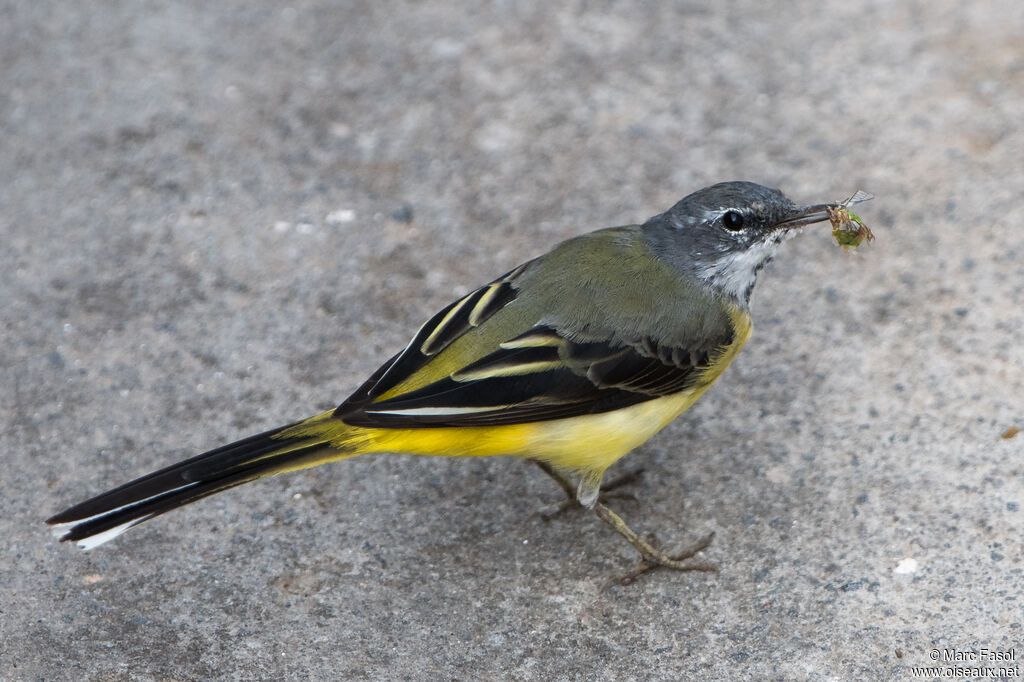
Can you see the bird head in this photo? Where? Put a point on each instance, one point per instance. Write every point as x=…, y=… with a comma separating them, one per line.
x=723, y=235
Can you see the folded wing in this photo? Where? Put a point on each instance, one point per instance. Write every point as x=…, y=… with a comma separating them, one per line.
x=536, y=376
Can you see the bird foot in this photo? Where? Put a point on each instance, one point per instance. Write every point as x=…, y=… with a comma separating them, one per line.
x=651, y=552
x=675, y=562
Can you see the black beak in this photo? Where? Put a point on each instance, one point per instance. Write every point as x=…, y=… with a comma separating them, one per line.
x=805, y=215
x=818, y=213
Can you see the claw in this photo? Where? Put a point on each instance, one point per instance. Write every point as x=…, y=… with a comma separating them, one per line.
x=651, y=563
x=653, y=557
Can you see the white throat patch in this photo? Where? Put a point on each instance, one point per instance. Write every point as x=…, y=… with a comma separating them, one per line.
x=734, y=274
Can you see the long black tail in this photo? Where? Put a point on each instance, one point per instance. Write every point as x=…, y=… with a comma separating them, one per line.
x=106, y=516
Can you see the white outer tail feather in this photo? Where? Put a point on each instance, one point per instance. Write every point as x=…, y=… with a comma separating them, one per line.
x=98, y=539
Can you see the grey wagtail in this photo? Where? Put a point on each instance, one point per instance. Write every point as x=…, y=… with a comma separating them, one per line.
x=571, y=360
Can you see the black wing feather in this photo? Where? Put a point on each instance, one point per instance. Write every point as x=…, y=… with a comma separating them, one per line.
x=575, y=379
x=434, y=336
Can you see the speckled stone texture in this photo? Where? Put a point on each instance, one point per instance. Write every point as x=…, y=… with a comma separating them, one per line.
x=216, y=218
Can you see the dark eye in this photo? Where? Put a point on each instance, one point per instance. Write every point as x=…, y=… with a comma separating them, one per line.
x=732, y=220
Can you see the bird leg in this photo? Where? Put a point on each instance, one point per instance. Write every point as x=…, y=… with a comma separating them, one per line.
x=607, y=491
x=653, y=557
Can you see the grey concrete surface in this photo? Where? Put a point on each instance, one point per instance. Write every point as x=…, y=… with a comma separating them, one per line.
x=219, y=217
